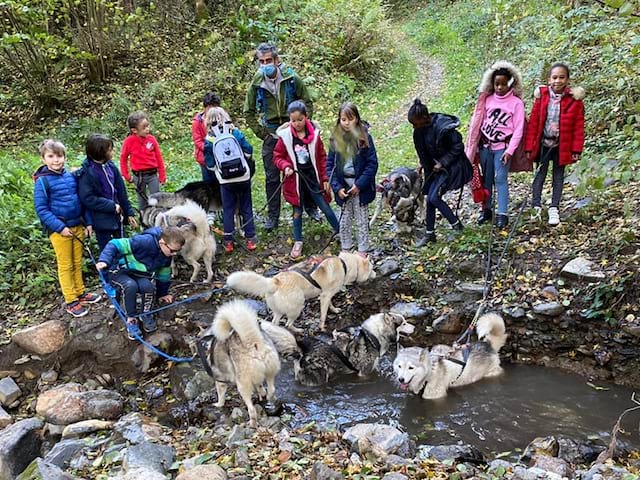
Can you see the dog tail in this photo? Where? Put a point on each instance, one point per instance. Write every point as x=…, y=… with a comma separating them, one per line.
x=490, y=328
x=282, y=339
x=237, y=316
x=251, y=283
x=194, y=213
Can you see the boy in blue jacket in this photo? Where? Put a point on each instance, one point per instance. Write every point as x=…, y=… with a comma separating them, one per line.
x=136, y=262
x=55, y=196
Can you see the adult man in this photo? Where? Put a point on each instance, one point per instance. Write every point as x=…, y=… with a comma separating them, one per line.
x=273, y=87
x=199, y=133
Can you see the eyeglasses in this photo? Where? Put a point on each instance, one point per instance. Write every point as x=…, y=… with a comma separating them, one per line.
x=172, y=250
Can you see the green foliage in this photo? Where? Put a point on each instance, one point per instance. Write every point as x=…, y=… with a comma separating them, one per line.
x=604, y=298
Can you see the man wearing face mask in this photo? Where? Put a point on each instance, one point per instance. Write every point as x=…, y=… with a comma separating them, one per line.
x=102, y=191
x=273, y=87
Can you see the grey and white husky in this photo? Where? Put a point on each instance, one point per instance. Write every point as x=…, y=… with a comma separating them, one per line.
x=317, y=359
x=430, y=373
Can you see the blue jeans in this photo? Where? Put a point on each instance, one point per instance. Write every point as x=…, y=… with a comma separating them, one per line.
x=237, y=195
x=322, y=204
x=130, y=286
x=103, y=237
x=495, y=171
x=434, y=201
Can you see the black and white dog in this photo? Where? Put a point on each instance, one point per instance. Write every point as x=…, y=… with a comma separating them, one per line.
x=401, y=192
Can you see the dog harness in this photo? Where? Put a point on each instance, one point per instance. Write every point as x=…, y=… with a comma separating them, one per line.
x=463, y=363
x=306, y=268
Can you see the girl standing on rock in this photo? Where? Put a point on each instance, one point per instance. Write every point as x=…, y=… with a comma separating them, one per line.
x=495, y=132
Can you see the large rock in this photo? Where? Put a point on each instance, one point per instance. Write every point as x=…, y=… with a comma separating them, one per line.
x=9, y=391
x=68, y=404
x=137, y=428
x=581, y=269
x=459, y=453
x=549, y=309
x=43, y=339
x=41, y=470
x=410, y=310
x=20, y=444
x=381, y=440
x=149, y=456
x=552, y=464
x=204, y=472
x=62, y=452
x=522, y=473
x=200, y=383
x=449, y=322
x=601, y=471
x=541, y=446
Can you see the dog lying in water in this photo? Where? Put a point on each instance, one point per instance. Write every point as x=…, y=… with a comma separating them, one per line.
x=430, y=373
x=355, y=349
x=401, y=193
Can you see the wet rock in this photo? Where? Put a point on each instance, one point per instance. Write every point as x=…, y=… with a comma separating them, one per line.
x=550, y=292
x=200, y=383
x=87, y=426
x=137, y=428
x=578, y=453
x=514, y=312
x=552, y=464
x=381, y=440
x=321, y=472
x=48, y=337
x=9, y=391
x=149, y=456
x=63, y=451
x=549, y=309
x=521, y=473
x=143, y=357
x=41, y=470
x=498, y=467
x=540, y=446
x=459, y=453
x=5, y=418
x=473, y=289
x=582, y=269
x=237, y=435
x=602, y=471
x=410, y=310
x=204, y=472
x=19, y=445
x=449, y=322
x=68, y=404
x=387, y=267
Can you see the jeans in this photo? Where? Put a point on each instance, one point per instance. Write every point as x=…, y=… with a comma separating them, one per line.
x=68, y=252
x=495, y=172
x=434, y=201
x=271, y=178
x=103, y=237
x=146, y=184
x=237, y=196
x=548, y=155
x=130, y=286
x=319, y=200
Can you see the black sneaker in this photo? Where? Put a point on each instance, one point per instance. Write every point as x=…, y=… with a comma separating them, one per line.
x=315, y=215
x=485, y=216
x=502, y=220
x=270, y=224
x=149, y=325
x=429, y=237
x=458, y=227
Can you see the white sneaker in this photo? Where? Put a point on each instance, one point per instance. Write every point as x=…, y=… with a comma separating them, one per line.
x=536, y=214
x=554, y=216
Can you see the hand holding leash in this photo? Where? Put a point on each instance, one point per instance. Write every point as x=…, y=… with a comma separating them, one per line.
x=101, y=266
x=343, y=194
x=288, y=172
x=354, y=190
x=132, y=222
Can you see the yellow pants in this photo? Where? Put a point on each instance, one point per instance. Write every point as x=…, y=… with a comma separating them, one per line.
x=69, y=257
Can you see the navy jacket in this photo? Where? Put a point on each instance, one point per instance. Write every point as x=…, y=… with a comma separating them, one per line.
x=103, y=209
x=55, y=197
x=366, y=166
x=140, y=255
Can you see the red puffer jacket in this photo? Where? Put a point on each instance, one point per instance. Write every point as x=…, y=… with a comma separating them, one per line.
x=571, y=124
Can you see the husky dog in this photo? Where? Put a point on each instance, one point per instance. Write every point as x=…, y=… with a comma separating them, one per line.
x=242, y=354
x=351, y=350
x=199, y=241
x=401, y=192
x=431, y=373
x=205, y=194
x=287, y=291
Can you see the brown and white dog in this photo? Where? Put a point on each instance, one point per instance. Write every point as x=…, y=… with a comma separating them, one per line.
x=401, y=192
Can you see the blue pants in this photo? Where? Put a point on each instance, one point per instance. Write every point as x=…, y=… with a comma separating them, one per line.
x=495, y=172
x=103, y=237
x=130, y=286
x=435, y=202
x=319, y=200
x=237, y=195
x=207, y=175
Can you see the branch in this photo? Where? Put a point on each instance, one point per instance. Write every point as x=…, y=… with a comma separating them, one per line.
x=608, y=453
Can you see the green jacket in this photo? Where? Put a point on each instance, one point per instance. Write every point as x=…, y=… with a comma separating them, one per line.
x=264, y=112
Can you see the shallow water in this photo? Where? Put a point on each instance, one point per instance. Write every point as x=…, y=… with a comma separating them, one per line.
x=496, y=415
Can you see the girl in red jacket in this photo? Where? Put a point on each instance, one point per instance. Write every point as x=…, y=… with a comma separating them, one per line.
x=555, y=135
x=141, y=149
x=301, y=156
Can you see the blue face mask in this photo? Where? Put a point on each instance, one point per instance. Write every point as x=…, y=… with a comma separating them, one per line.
x=268, y=70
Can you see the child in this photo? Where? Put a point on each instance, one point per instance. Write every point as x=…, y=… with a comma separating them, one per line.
x=353, y=164
x=199, y=133
x=235, y=187
x=555, y=135
x=142, y=150
x=442, y=160
x=495, y=132
x=301, y=156
x=57, y=204
x=102, y=191
x=135, y=263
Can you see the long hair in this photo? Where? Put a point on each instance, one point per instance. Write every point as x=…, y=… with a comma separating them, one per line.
x=345, y=143
x=217, y=116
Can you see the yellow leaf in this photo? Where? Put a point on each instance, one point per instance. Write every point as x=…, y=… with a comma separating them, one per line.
x=519, y=250
x=420, y=268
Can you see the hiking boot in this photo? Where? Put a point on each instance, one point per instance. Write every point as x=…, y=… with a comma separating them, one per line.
x=536, y=214
x=502, y=220
x=76, y=309
x=89, y=298
x=149, y=324
x=315, y=215
x=429, y=237
x=554, y=216
x=270, y=224
x=485, y=216
x=458, y=227
x=296, y=251
x=251, y=244
x=228, y=247
x=133, y=330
